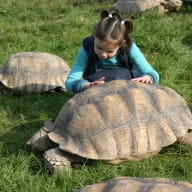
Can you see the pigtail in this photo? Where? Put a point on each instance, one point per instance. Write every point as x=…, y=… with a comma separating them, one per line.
x=113, y=13
x=105, y=27
x=128, y=27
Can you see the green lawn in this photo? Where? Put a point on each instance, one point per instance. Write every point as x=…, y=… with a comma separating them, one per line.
x=58, y=27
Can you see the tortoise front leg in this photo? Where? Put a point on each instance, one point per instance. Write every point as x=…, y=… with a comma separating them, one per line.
x=57, y=160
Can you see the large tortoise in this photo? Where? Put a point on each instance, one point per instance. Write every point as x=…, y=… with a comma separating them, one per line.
x=117, y=121
x=139, y=6
x=136, y=184
x=34, y=71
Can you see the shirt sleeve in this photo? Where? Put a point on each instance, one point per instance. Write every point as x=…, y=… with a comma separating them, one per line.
x=74, y=81
x=139, y=60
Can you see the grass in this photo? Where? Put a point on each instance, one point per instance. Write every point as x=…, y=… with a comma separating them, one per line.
x=58, y=27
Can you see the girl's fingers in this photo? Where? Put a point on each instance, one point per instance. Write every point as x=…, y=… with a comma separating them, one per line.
x=143, y=80
x=101, y=79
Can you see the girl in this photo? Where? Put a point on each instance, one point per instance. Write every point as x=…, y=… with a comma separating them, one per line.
x=109, y=54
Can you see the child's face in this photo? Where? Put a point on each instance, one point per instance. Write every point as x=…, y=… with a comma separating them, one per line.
x=104, y=49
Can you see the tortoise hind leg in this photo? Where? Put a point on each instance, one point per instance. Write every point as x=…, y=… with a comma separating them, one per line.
x=57, y=160
x=186, y=139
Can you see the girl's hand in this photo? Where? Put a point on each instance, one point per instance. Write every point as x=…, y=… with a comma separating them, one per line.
x=98, y=82
x=94, y=83
x=145, y=79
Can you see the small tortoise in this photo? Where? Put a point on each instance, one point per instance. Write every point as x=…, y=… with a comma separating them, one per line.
x=139, y=6
x=118, y=121
x=34, y=71
x=134, y=184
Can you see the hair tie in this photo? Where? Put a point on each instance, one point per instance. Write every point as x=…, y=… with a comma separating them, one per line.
x=122, y=22
x=110, y=15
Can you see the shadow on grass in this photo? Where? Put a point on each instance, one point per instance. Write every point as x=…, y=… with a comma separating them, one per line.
x=14, y=151
x=14, y=141
x=188, y=41
x=22, y=114
x=186, y=8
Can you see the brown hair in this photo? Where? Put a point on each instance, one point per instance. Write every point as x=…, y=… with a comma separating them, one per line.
x=114, y=29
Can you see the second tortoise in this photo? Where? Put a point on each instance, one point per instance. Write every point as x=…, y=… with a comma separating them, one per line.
x=34, y=72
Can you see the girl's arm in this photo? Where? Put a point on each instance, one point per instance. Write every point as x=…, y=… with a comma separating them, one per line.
x=142, y=64
x=74, y=82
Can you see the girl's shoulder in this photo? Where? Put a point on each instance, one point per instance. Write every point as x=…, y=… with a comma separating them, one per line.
x=87, y=40
x=88, y=44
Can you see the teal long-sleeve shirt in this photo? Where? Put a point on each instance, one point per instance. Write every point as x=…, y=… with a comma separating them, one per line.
x=75, y=82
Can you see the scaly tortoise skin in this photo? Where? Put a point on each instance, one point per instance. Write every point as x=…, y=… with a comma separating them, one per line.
x=139, y=6
x=115, y=122
x=34, y=71
x=134, y=184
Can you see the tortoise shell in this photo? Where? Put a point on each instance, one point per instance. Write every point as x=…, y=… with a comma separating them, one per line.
x=135, y=6
x=122, y=184
x=34, y=71
x=139, y=6
x=121, y=120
